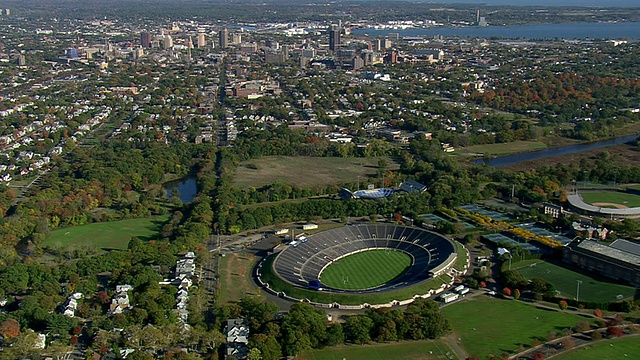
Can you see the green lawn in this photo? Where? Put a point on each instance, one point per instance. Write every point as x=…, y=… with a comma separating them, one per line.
x=404, y=350
x=234, y=278
x=365, y=270
x=461, y=260
x=623, y=348
x=492, y=326
x=565, y=281
x=506, y=148
x=305, y=171
x=108, y=235
x=615, y=197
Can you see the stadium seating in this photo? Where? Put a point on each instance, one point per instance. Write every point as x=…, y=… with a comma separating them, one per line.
x=302, y=264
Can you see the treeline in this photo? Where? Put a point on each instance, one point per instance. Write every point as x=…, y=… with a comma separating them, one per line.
x=305, y=327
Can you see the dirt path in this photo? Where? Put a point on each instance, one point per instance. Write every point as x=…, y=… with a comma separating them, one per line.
x=610, y=205
x=454, y=342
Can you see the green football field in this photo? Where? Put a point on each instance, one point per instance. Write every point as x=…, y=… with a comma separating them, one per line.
x=403, y=350
x=486, y=325
x=365, y=270
x=565, y=281
x=107, y=235
x=615, y=197
x=623, y=348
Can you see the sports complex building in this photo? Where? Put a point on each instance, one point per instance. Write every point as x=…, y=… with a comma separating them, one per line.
x=619, y=261
x=581, y=206
x=302, y=264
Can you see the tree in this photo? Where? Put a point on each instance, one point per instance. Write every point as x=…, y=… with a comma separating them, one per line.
x=254, y=354
x=335, y=335
x=562, y=304
x=597, y=312
x=506, y=291
x=10, y=329
x=568, y=343
x=614, y=331
x=358, y=329
x=516, y=294
x=268, y=346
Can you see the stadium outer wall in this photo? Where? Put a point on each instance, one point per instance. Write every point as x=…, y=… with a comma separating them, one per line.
x=447, y=268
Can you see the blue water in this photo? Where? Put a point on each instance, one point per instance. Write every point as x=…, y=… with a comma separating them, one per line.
x=187, y=187
x=621, y=30
x=563, y=150
x=589, y=3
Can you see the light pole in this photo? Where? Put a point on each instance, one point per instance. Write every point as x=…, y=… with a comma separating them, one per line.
x=510, y=257
x=578, y=290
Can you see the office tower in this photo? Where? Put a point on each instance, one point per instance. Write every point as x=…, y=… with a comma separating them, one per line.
x=7, y=11
x=358, y=63
x=190, y=43
x=223, y=38
x=145, y=40
x=378, y=45
x=334, y=37
x=200, y=41
x=21, y=60
x=386, y=44
x=236, y=38
x=168, y=42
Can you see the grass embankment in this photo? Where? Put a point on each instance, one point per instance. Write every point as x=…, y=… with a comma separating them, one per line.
x=234, y=281
x=366, y=269
x=277, y=284
x=461, y=260
x=615, y=197
x=565, y=281
x=504, y=148
x=305, y=171
x=492, y=326
x=614, y=349
x=404, y=350
x=108, y=235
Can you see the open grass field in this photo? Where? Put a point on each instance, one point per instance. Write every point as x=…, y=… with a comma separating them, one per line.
x=304, y=171
x=489, y=325
x=506, y=148
x=235, y=277
x=108, y=235
x=365, y=270
x=565, y=281
x=616, y=197
x=613, y=349
x=404, y=350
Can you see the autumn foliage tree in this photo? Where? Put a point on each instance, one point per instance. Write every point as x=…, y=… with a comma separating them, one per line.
x=10, y=328
x=506, y=291
x=562, y=304
x=614, y=331
x=597, y=312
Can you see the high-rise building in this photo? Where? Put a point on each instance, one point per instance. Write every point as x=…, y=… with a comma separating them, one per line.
x=168, y=42
x=236, y=38
x=21, y=60
x=7, y=11
x=145, y=40
x=201, y=42
x=223, y=38
x=334, y=37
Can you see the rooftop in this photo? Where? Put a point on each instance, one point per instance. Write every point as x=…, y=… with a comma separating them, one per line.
x=610, y=252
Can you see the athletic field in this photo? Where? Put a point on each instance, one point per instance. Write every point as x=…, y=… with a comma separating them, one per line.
x=403, y=350
x=600, y=198
x=615, y=349
x=565, y=281
x=487, y=325
x=365, y=269
x=107, y=235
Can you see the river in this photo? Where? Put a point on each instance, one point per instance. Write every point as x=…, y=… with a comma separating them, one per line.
x=563, y=150
x=601, y=30
x=187, y=188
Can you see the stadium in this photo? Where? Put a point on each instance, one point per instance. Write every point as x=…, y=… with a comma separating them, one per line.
x=304, y=263
x=608, y=210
